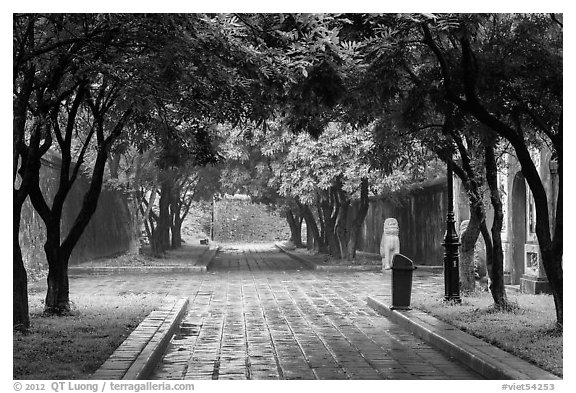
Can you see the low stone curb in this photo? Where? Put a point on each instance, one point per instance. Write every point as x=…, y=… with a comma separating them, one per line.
x=207, y=257
x=134, y=269
x=513, y=288
x=345, y=268
x=348, y=268
x=137, y=356
x=305, y=261
x=487, y=360
x=329, y=268
x=201, y=266
x=430, y=268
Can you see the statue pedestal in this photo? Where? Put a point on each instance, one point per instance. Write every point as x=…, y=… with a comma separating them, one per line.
x=534, y=280
x=534, y=285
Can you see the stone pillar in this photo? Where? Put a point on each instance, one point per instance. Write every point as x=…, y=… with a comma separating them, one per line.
x=390, y=243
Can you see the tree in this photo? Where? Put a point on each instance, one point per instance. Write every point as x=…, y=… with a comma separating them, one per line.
x=177, y=188
x=249, y=154
x=180, y=150
x=505, y=70
x=91, y=66
x=58, y=251
x=330, y=173
x=81, y=79
x=197, y=184
x=482, y=66
x=473, y=159
x=47, y=73
x=455, y=143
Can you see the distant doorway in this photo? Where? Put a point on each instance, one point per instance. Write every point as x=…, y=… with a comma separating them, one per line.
x=518, y=227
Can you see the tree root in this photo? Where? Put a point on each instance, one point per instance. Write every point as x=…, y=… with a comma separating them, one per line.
x=58, y=311
x=506, y=306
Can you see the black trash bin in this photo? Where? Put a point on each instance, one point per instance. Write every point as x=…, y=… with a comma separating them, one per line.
x=402, y=270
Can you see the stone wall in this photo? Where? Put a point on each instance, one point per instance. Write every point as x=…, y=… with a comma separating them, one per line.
x=109, y=231
x=421, y=216
x=237, y=220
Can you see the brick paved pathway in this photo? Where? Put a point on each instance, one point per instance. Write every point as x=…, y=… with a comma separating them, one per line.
x=257, y=314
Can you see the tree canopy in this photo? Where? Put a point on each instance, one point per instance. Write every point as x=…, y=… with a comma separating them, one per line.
x=316, y=110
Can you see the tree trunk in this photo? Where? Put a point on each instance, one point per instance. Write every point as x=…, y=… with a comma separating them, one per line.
x=147, y=216
x=57, y=299
x=313, y=234
x=323, y=246
x=355, y=224
x=328, y=210
x=468, y=238
x=20, y=155
x=554, y=258
x=551, y=251
x=554, y=269
x=295, y=228
x=340, y=217
x=20, y=314
x=175, y=221
x=176, y=230
x=135, y=227
x=341, y=226
x=497, y=285
x=162, y=231
x=26, y=163
x=156, y=247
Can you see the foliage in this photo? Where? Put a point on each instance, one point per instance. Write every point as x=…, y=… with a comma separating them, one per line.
x=81, y=79
x=308, y=107
x=312, y=165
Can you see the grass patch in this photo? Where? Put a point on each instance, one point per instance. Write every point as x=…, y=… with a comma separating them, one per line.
x=76, y=345
x=528, y=332
x=183, y=256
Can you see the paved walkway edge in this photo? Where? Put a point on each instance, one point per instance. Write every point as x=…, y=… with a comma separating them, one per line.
x=487, y=360
x=328, y=268
x=138, y=355
x=200, y=267
x=135, y=269
x=207, y=257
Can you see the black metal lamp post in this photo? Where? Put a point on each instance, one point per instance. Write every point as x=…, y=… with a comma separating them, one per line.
x=451, y=244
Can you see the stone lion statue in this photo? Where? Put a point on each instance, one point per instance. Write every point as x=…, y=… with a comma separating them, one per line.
x=390, y=243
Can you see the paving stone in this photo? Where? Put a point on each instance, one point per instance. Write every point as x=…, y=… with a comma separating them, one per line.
x=262, y=313
x=330, y=373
